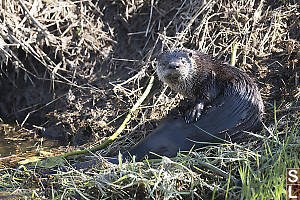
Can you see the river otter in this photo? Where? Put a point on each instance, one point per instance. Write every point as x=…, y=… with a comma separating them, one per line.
x=200, y=77
x=227, y=103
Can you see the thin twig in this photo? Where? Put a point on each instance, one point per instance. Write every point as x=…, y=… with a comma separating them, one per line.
x=32, y=18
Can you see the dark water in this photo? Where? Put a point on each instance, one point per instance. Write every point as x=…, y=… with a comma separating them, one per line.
x=12, y=146
x=7, y=147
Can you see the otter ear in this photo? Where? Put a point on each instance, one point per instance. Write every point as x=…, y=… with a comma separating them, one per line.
x=190, y=54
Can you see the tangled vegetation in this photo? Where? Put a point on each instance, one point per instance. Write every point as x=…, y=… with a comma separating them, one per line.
x=72, y=70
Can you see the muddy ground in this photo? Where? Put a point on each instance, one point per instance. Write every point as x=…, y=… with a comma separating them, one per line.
x=74, y=78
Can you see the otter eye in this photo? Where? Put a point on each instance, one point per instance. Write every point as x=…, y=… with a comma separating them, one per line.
x=190, y=54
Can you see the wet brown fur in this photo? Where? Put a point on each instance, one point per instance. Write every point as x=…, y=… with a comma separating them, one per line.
x=208, y=79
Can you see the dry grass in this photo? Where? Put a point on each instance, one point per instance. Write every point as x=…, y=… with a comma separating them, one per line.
x=93, y=60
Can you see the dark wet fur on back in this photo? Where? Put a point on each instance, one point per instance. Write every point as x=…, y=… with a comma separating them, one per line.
x=223, y=122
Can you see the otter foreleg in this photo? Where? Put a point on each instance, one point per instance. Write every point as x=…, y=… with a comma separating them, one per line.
x=194, y=113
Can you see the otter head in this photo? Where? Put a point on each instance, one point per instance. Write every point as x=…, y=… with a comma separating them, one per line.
x=175, y=66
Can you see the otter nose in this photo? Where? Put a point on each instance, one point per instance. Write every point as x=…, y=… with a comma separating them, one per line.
x=173, y=66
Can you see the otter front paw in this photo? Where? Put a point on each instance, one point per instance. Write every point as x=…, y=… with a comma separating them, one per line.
x=194, y=113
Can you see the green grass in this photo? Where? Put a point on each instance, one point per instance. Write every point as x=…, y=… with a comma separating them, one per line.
x=265, y=178
x=254, y=170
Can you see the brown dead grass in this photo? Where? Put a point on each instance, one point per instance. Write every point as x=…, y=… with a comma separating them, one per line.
x=92, y=60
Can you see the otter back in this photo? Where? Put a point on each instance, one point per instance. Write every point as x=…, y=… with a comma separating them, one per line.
x=226, y=121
